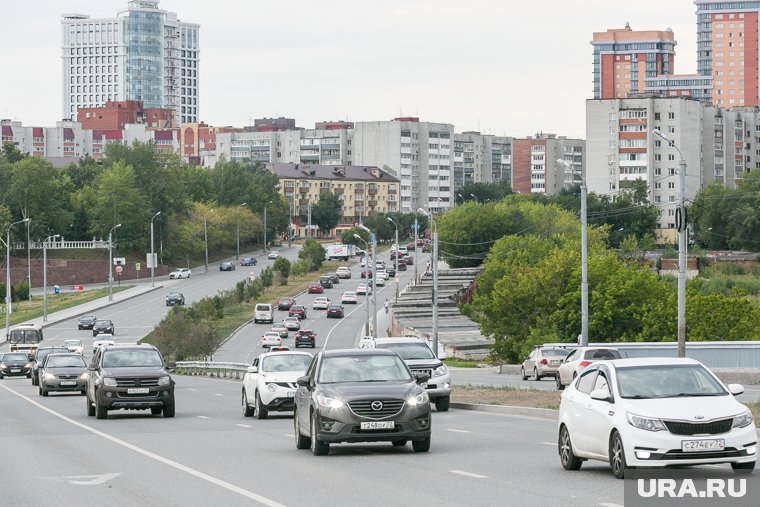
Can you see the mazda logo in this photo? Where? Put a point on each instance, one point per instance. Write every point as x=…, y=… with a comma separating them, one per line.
x=377, y=405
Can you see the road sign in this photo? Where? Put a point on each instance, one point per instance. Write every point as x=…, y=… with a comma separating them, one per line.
x=119, y=261
x=118, y=269
x=75, y=287
x=151, y=263
x=137, y=266
x=372, y=238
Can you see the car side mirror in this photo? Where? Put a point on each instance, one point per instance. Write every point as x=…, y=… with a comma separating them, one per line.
x=736, y=389
x=253, y=369
x=421, y=377
x=601, y=395
x=303, y=381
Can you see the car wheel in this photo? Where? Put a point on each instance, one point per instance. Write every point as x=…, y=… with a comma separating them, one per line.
x=313, y=345
x=155, y=410
x=522, y=373
x=743, y=468
x=302, y=442
x=442, y=404
x=247, y=409
x=83, y=392
x=421, y=445
x=261, y=412
x=558, y=381
x=566, y=457
x=399, y=443
x=617, y=456
x=318, y=448
x=536, y=376
x=101, y=412
x=168, y=410
x=90, y=407
x=43, y=392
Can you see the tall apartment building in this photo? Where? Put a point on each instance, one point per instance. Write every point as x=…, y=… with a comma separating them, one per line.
x=481, y=158
x=144, y=53
x=535, y=168
x=727, y=50
x=624, y=58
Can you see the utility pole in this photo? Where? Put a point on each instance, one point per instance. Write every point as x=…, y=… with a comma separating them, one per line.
x=44, y=277
x=308, y=223
x=372, y=275
x=152, y=254
x=265, y=224
x=29, y=262
x=366, y=277
x=8, y=277
x=397, y=254
x=110, y=261
x=290, y=221
x=237, y=253
x=435, y=280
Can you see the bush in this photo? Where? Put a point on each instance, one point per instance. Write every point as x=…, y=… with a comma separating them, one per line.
x=299, y=268
x=314, y=253
x=282, y=266
x=267, y=277
x=19, y=292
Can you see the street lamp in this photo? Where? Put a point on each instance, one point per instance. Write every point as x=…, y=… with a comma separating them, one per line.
x=237, y=254
x=265, y=224
x=29, y=261
x=152, y=255
x=110, y=261
x=44, y=275
x=416, y=246
x=584, y=256
x=205, y=236
x=682, y=245
x=366, y=277
x=435, y=279
x=463, y=199
x=372, y=276
x=398, y=247
x=8, y=277
x=476, y=199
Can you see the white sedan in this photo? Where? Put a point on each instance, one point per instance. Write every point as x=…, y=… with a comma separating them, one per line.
x=380, y=282
x=102, y=339
x=348, y=297
x=579, y=359
x=273, y=255
x=271, y=339
x=74, y=346
x=362, y=289
x=180, y=273
x=654, y=412
x=320, y=303
x=292, y=323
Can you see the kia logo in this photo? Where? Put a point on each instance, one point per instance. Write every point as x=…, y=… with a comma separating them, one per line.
x=699, y=417
x=377, y=405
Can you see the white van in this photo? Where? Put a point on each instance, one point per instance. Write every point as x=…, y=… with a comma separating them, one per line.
x=263, y=313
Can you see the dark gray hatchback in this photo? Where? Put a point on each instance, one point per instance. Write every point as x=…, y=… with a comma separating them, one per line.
x=357, y=395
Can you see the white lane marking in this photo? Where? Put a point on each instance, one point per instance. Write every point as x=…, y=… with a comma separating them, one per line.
x=191, y=389
x=468, y=474
x=217, y=394
x=85, y=480
x=290, y=436
x=553, y=444
x=183, y=468
x=244, y=426
x=458, y=431
x=607, y=504
x=202, y=417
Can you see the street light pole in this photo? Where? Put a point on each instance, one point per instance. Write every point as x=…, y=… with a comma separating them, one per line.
x=435, y=280
x=397, y=254
x=373, y=277
x=265, y=224
x=237, y=253
x=290, y=221
x=44, y=276
x=110, y=261
x=29, y=262
x=682, y=245
x=366, y=263
x=205, y=241
x=152, y=255
x=8, y=277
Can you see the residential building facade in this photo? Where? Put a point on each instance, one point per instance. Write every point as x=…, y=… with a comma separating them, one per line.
x=535, y=168
x=115, y=115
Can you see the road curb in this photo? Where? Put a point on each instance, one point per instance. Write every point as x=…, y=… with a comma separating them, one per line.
x=542, y=413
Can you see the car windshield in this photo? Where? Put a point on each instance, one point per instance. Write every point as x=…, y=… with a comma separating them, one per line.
x=278, y=326
x=667, y=381
x=285, y=362
x=87, y=318
x=262, y=308
x=554, y=352
x=15, y=357
x=602, y=354
x=72, y=361
x=409, y=350
x=131, y=358
x=296, y=308
x=41, y=354
x=363, y=368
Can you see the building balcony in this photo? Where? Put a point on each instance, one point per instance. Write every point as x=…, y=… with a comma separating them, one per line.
x=372, y=191
x=338, y=190
x=304, y=190
x=303, y=202
x=309, y=158
x=330, y=146
x=372, y=204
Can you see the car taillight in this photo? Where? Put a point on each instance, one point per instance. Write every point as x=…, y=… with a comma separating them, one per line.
x=583, y=364
x=543, y=361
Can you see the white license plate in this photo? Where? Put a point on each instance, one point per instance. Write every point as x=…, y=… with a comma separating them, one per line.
x=15, y=370
x=717, y=444
x=378, y=425
x=138, y=390
x=555, y=363
x=68, y=382
x=291, y=394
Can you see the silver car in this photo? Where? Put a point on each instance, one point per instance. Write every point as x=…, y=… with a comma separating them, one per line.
x=62, y=372
x=543, y=362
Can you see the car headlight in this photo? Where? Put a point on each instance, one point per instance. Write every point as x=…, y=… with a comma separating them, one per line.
x=645, y=423
x=83, y=376
x=271, y=387
x=2, y=366
x=49, y=376
x=744, y=420
x=109, y=381
x=418, y=399
x=327, y=402
x=441, y=370
x=165, y=380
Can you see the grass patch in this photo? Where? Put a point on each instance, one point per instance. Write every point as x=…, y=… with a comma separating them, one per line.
x=461, y=363
x=23, y=310
x=505, y=396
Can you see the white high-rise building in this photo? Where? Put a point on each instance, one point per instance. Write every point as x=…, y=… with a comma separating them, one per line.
x=144, y=53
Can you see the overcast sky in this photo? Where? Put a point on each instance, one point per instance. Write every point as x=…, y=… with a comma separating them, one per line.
x=499, y=66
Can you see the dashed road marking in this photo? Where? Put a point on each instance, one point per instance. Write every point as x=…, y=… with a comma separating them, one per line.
x=202, y=417
x=244, y=426
x=607, y=504
x=217, y=394
x=553, y=444
x=468, y=474
x=458, y=431
x=290, y=436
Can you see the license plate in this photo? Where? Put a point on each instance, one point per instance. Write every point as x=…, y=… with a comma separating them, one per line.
x=68, y=382
x=15, y=370
x=378, y=425
x=717, y=444
x=554, y=363
x=138, y=390
x=291, y=394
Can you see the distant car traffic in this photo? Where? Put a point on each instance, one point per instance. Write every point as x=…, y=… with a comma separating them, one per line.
x=263, y=313
x=103, y=326
x=248, y=261
x=326, y=282
x=102, y=339
x=380, y=281
x=269, y=385
x=305, y=337
x=315, y=288
x=292, y=323
x=273, y=255
x=654, y=412
x=285, y=303
x=348, y=297
x=227, y=266
x=362, y=289
x=39, y=358
x=335, y=310
x=579, y=359
x=343, y=272
x=334, y=278
x=271, y=339
x=297, y=311
x=180, y=273
x=175, y=298
x=543, y=362
x=74, y=346
x=366, y=273
x=86, y=322
x=280, y=328
x=320, y=303
x=62, y=372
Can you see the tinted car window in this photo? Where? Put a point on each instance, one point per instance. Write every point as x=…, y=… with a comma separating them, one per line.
x=667, y=381
x=602, y=354
x=586, y=382
x=363, y=369
x=131, y=358
x=64, y=361
x=571, y=356
x=15, y=357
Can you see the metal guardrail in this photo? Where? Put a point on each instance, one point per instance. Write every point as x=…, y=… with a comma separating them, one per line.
x=212, y=369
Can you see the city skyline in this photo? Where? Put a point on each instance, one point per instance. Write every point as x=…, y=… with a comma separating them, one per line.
x=510, y=72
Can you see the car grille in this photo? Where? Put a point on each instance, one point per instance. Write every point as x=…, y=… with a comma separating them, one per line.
x=68, y=377
x=678, y=454
x=364, y=408
x=125, y=395
x=133, y=382
x=709, y=428
x=287, y=385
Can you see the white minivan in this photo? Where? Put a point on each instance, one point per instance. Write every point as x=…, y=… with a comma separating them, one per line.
x=263, y=313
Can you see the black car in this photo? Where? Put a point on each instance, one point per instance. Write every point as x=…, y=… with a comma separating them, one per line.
x=15, y=364
x=306, y=337
x=227, y=266
x=248, y=261
x=326, y=282
x=62, y=372
x=335, y=311
x=132, y=377
x=86, y=322
x=102, y=326
x=285, y=303
x=360, y=395
x=175, y=298
x=334, y=277
x=402, y=266
x=39, y=358
x=390, y=271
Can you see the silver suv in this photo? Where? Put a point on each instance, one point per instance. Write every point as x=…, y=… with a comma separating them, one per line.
x=420, y=359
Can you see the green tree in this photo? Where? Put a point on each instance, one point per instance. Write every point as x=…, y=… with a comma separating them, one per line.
x=282, y=266
x=327, y=212
x=12, y=154
x=347, y=237
x=484, y=192
x=313, y=252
